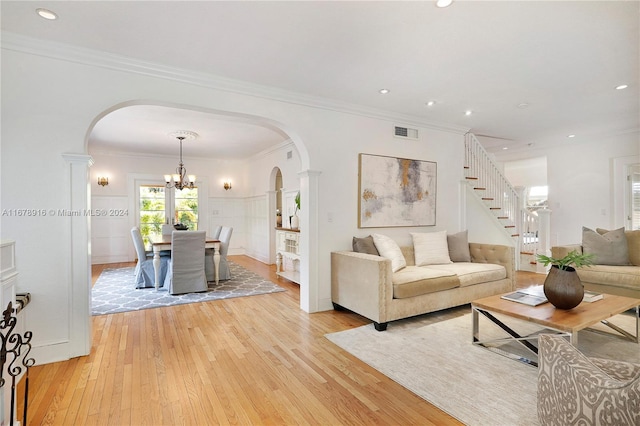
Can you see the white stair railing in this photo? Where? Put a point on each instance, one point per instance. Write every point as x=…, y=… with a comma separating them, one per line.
x=491, y=185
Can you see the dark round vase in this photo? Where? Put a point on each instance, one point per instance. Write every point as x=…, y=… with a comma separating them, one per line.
x=563, y=288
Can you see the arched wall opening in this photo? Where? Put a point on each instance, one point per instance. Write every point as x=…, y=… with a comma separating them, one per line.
x=308, y=288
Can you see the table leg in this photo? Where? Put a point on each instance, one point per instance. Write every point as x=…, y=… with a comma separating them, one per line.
x=156, y=268
x=216, y=261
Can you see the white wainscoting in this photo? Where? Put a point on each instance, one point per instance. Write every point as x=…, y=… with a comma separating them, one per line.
x=110, y=229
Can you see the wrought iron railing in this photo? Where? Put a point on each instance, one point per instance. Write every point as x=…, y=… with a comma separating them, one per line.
x=14, y=358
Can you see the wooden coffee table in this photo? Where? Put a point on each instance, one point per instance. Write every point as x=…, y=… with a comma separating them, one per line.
x=564, y=322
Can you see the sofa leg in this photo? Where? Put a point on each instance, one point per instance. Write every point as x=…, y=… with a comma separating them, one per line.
x=380, y=326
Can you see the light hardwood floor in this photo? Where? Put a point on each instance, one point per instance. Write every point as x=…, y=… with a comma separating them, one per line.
x=250, y=360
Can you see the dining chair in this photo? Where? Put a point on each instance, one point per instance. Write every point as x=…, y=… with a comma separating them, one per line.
x=144, y=272
x=186, y=268
x=208, y=260
x=225, y=238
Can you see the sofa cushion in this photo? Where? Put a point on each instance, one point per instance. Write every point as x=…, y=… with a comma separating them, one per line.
x=459, y=247
x=608, y=249
x=416, y=280
x=616, y=276
x=474, y=273
x=389, y=249
x=365, y=245
x=633, y=244
x=430, y=248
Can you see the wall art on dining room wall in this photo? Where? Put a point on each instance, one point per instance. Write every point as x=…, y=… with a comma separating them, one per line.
x=396, y=192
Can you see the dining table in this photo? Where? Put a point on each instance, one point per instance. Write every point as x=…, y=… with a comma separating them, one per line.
x=163, y=242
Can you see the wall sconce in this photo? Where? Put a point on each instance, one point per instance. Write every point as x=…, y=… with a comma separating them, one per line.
x=103, y=181
x=227, y=185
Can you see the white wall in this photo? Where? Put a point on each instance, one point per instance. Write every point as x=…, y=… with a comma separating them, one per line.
x=581, y=185
x=527, y=173
x=49, y=106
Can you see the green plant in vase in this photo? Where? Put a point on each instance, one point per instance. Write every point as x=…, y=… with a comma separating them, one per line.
x=295, y=222
x=563, y=287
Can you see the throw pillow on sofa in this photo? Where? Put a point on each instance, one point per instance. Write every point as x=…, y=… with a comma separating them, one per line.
x=365, y=245
x=430, y=248
x=459, y=247
x=608, y=249
x=389, y=249
x=633, y=243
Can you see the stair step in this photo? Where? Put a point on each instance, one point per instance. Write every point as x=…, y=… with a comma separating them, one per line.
x=471, y=178
x=467, y=167
x=480, y=189
x=495, y=208
x=533, y=263
x=515, y=235
x=503, y=217
x=509, y=226
x=487, y=198
x=530, y=253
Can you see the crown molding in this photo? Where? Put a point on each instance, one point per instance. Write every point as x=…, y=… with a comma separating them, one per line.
x=80, y=55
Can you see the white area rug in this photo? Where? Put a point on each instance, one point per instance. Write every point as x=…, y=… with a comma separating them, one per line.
x=439, y=363
x=115, y=291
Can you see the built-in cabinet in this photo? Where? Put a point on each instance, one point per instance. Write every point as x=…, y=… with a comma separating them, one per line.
x=288, y=254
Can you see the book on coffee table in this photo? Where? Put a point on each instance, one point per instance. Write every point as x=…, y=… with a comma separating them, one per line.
x=532, y=296
x=590, y=296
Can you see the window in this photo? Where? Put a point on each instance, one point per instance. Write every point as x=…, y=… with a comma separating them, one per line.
x=185, y=208
x=152, y=211
x=157, y=204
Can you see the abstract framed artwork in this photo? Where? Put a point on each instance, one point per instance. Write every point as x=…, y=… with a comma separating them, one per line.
x=396, y=192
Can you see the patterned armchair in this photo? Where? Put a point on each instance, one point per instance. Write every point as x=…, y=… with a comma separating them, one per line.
x=574, y=389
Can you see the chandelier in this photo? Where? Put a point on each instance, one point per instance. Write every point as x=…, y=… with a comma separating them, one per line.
x=180, y=179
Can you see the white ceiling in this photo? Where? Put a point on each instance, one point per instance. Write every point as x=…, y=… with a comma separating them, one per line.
x=563, y=59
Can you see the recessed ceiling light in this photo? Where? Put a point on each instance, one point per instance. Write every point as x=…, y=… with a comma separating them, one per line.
x=622, y=86
x=505, y=147
x=468, y=112
x=523, y=105
x=443, y=3
x=46, y=14
x=431, y=103
x=384, y=91
x=571, y=136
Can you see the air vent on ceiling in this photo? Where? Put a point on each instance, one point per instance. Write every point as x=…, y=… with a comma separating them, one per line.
x=289, y=155
x=405, y=132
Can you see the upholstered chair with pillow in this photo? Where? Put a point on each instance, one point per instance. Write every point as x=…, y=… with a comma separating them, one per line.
x=576, y=390
x=144, y=272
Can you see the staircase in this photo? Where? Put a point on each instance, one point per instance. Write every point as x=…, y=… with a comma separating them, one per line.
x=491, y=187
x=504, y=202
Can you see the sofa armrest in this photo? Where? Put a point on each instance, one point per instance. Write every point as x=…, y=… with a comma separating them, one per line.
x=361, y=283
x=497, y=254
x=559, y=252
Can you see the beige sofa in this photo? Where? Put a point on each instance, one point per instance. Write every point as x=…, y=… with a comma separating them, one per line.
x=366, y=284
x=622, y=280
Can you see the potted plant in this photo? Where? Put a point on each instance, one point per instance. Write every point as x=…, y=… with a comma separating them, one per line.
x=295, y=222
x=563, y=287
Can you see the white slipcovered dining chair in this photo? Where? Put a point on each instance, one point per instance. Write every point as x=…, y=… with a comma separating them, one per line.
x=209, y=267
x=186, y=268
x=144, y=272
x=225, y=238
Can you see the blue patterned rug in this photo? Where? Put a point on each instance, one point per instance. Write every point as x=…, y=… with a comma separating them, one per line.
x=115, y=291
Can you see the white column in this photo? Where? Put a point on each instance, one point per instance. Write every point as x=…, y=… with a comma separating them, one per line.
x=308, y=245
x=80, y=273
x=544, y=237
